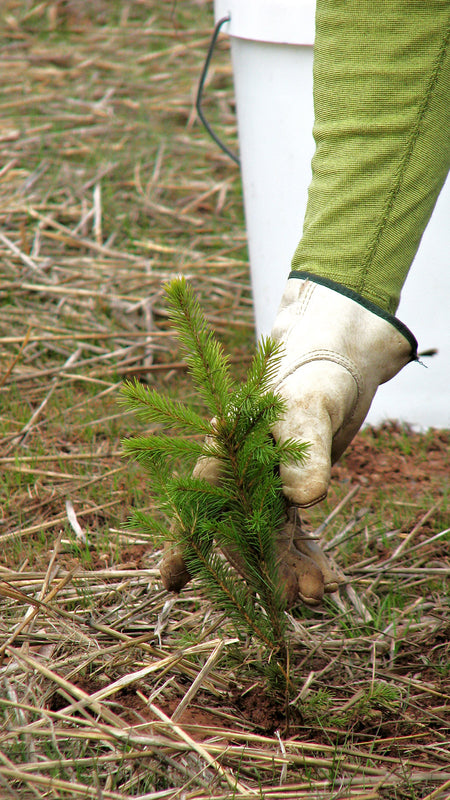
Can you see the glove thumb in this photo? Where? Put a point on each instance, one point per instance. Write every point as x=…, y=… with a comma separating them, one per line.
x=319, y=398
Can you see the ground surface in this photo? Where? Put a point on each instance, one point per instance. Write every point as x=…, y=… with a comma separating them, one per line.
x=111, y=688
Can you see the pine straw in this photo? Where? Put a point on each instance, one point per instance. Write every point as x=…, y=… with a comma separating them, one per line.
x=111, y=688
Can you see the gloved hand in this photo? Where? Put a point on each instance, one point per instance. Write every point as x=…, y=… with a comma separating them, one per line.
x=304, y=571
x=338, y=348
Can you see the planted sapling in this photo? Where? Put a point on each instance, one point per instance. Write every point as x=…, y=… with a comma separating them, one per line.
x=218, y=479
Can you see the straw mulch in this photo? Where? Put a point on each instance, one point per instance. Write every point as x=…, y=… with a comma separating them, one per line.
x=110, y=688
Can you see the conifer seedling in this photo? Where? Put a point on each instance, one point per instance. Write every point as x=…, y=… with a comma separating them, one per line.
x=243, y=510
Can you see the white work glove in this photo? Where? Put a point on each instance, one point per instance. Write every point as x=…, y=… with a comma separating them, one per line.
x=337, y=349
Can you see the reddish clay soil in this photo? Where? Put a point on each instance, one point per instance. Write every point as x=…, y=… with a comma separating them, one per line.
x=394, y=454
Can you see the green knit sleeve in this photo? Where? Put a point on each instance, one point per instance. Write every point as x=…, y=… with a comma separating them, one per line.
x=382, y=123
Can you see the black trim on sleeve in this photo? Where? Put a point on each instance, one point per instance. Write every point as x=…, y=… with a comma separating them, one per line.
x=362, y=301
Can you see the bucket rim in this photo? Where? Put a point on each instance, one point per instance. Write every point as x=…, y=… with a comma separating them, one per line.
x=272, y=21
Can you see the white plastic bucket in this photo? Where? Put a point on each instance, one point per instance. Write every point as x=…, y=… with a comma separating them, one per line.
x=271, y=49
x=272, y=56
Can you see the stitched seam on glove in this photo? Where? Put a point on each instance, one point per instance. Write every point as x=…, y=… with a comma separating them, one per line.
x=305, y=295
x=323, y=355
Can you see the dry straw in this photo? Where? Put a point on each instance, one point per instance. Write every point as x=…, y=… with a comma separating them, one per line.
x=108, y=187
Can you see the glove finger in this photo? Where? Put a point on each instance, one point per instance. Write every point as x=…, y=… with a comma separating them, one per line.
x=332, y=576
x=299, y=577
x=309, y=580
x=306, y=484
x=303, y=544
x=173, y=570
x=318, y=398
x=208, y=468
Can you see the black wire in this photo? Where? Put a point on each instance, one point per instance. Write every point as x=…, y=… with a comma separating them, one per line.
x=198, y=102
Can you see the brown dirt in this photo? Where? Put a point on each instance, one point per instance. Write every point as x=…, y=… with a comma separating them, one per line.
x=395, y=468
x=259, y=708
x=377, y=458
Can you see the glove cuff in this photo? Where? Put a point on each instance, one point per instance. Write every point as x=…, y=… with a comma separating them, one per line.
x=362, y=301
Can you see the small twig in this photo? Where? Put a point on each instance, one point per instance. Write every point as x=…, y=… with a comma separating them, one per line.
x=192, y=691
x=347, y=532
x=233, y=782
x=74, y=524
x=337, y=509
x=21, y=436
x=16, y=358
x=98, y=214
x=20, y=254
x=19, y=532
x=33, y=611
x=411, y=535
x=438, y=792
